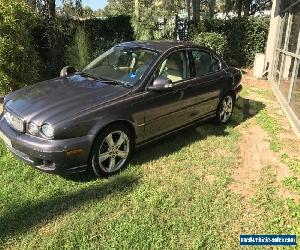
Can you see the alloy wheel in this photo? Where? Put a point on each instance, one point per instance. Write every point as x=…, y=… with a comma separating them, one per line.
x=113, y=151
x=226, y=109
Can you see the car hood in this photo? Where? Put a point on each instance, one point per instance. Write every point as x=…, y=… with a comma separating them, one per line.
x=57, y=99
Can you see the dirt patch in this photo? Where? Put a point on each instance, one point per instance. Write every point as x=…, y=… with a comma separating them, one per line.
x=210, y=179
x=255, y=155
x=250, y=81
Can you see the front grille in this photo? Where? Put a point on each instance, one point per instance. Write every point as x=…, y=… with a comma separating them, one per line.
x=14, y=121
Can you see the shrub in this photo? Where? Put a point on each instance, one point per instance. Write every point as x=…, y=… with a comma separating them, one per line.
x=18, y=58
x=103, y=34
x=67, y=41
x=78, y=54
x=244, y=37
x=214, y=41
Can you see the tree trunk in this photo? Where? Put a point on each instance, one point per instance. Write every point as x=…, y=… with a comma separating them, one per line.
x=50, y=8
x=188, y=8
x=196, y=10
x=212, y=6
x=247, y=7
x=239, y=7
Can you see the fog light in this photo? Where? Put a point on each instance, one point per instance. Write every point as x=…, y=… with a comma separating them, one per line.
x=48, y=131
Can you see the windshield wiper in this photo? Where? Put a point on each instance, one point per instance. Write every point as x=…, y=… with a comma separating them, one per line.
x=117, y=82
x=88, y=75
x=109, y=81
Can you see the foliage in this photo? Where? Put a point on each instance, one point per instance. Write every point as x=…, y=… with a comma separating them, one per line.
x=215, y=41
x=78, y=54
x=18, y=58
x=118, y=7
x=245, y=37
x=54, y=38
x=103, y=34
x=149, y=19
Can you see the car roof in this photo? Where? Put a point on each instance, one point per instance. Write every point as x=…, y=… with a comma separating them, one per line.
x=160, y=46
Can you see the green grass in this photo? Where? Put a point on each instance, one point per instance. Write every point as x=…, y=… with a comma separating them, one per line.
x=174, y=195
x=271, y=126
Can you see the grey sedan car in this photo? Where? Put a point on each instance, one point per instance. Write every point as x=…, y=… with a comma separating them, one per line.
x=134, y=93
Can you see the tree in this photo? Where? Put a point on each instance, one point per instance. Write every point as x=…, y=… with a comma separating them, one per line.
x=211, y=7
x=87, y=12
x=118, y=7
x=196, y=10
x=50, y=8
x=188, y=8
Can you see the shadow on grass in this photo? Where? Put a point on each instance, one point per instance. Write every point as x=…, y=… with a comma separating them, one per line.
x=244, y=110
x=20, y=218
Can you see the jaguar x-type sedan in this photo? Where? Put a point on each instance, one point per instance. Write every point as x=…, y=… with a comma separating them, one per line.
x=132, y=94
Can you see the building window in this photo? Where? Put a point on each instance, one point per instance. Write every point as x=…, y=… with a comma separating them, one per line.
x=285, y=4
x=285, y=72
x=276, y=73
x=284, y=26
x=295, y=28
x=286, y=76
x=295, y=99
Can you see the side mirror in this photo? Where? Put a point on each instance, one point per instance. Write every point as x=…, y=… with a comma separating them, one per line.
x=161, y=83
x=67, y=70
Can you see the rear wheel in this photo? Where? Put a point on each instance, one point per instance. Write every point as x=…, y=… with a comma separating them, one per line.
x=112, y=150
x=225, y=109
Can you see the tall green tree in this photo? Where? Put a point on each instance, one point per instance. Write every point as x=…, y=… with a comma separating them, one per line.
x=118, y=7
x=212, y=8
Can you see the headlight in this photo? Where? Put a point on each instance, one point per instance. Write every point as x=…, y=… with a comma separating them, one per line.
x=14, y=121
x=32, y=128
x=48, y=131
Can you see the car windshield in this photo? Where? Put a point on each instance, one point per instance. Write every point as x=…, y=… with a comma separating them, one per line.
x=121, y=65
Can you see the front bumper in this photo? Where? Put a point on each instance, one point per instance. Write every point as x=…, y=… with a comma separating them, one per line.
x=51, y=156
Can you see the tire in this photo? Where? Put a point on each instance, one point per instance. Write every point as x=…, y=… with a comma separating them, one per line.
x=112, y=150
x=225, y=109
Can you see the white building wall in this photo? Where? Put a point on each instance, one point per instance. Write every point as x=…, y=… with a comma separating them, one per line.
x=273, y=35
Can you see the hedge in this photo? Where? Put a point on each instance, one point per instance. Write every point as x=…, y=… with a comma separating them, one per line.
x=57, y=41
x=33, y=48
x=18, y=58
x=215, y=41
x=244, y=37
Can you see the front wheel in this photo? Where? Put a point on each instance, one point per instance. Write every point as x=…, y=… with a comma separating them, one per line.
x=112, y=150
x=225, y=109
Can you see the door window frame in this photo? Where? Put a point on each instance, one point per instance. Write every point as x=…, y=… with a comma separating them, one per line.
x=163, y=58
x=192, y=63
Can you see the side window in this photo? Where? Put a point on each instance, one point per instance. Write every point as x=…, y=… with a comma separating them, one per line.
x=175, y=67
x=204, y=63
x=215, y=64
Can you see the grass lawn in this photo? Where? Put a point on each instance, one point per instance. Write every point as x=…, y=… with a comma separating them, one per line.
x=190, y=190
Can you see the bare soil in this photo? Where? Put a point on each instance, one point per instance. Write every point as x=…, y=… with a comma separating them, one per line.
x=255, y=152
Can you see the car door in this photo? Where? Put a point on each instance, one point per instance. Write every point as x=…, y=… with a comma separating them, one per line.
x=163, y=110
x=208, y=80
